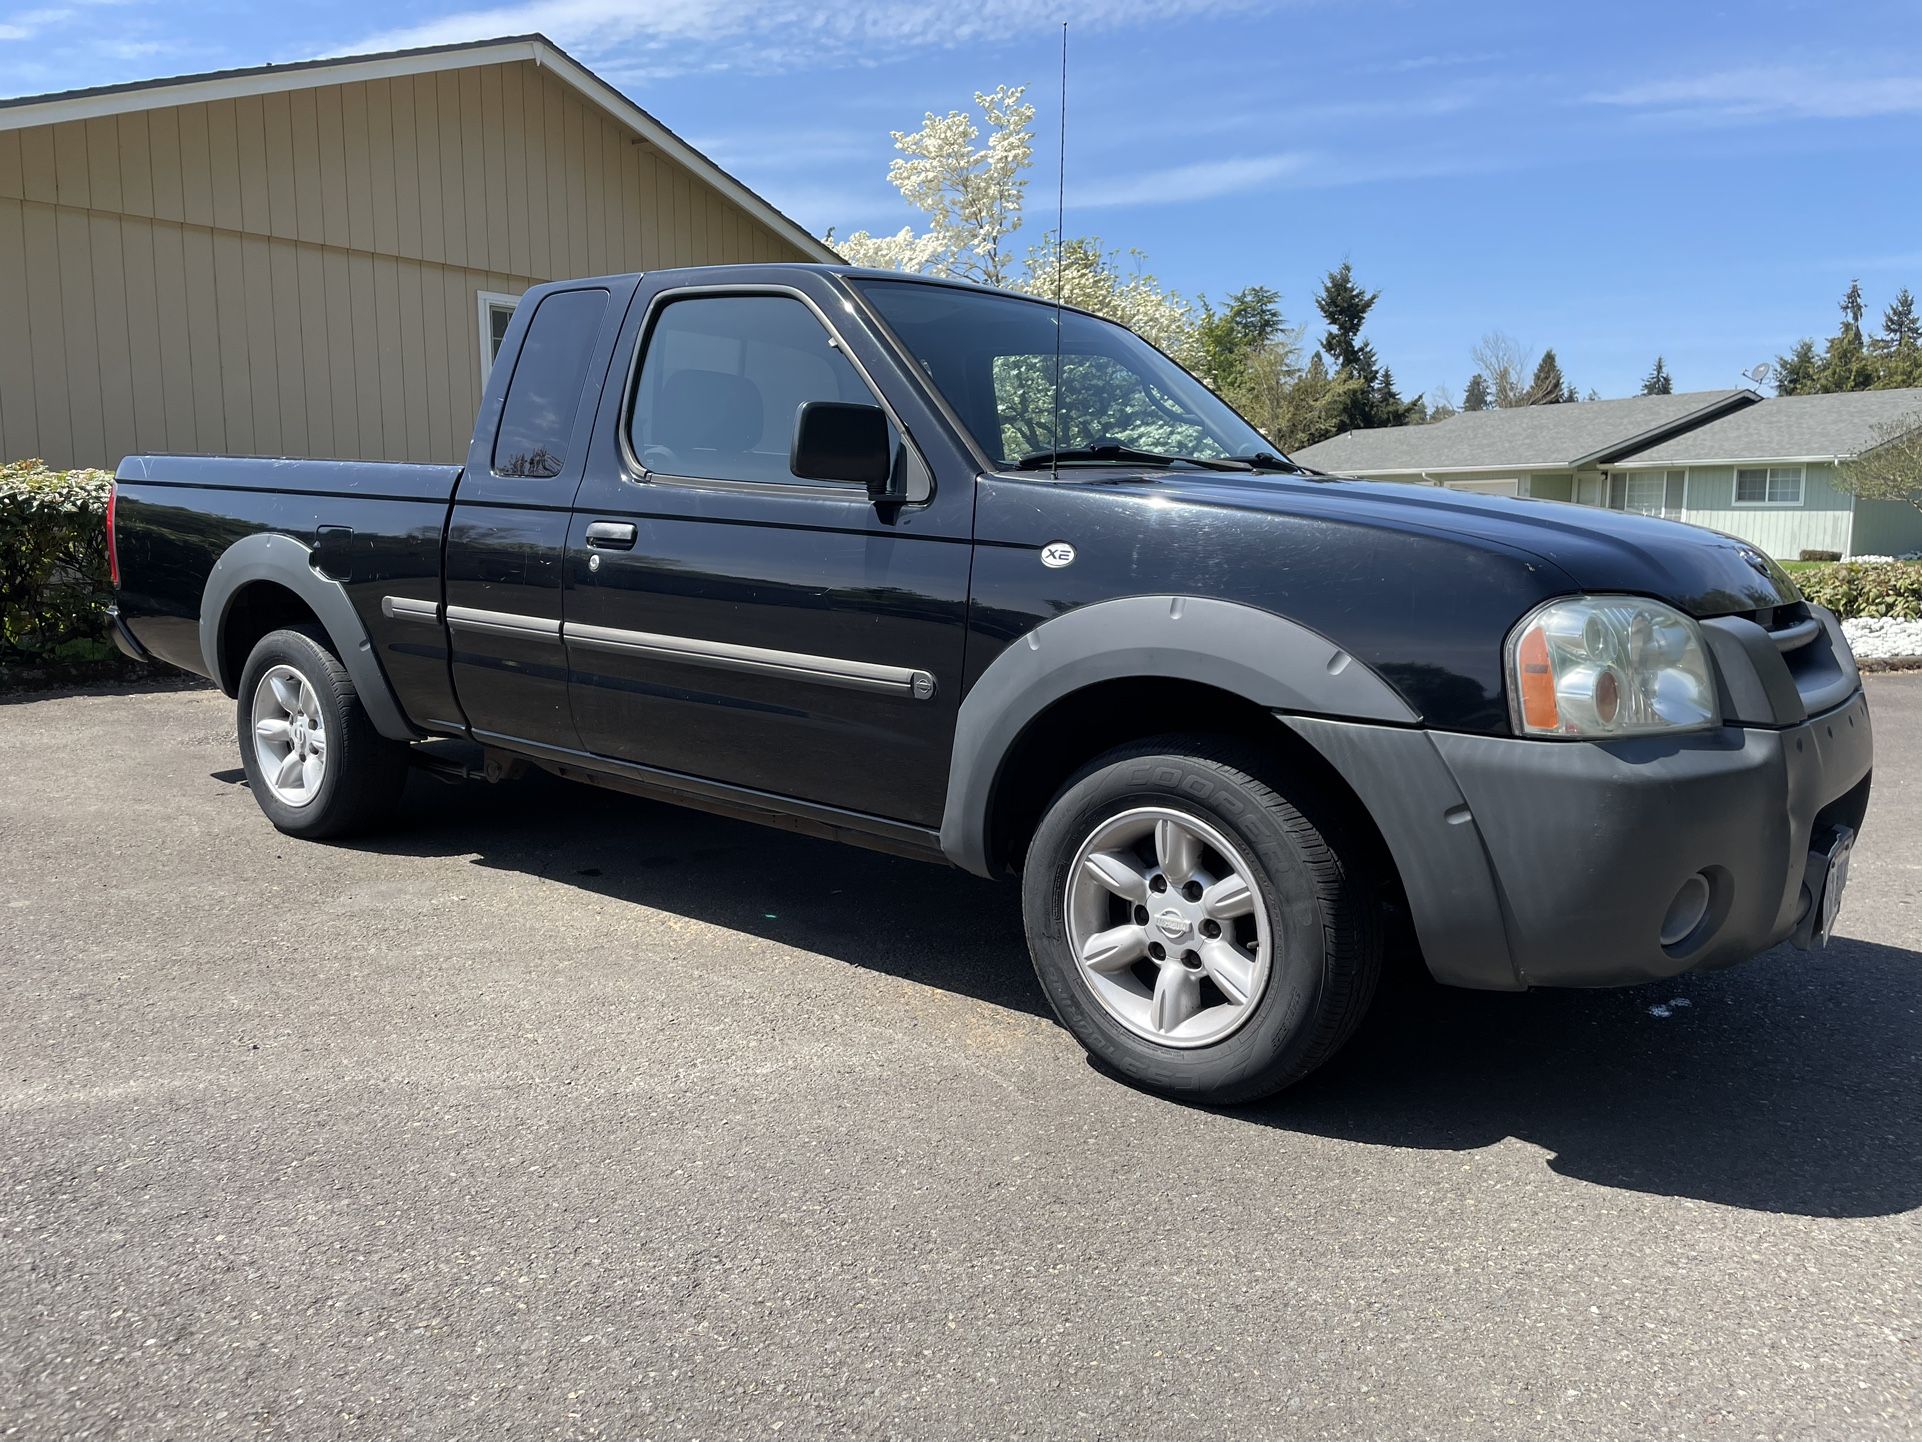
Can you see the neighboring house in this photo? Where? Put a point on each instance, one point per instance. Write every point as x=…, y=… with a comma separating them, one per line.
x=1767, y=474
x=319, y=259
x=1557, y=452
x=1759, y=469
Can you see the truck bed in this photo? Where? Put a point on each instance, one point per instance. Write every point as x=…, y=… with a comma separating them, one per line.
x=374, y=526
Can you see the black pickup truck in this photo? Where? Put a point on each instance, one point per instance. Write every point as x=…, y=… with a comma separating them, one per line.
x=819, y=547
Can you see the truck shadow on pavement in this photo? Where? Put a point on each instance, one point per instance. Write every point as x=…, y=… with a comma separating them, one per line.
x=1787, y=1085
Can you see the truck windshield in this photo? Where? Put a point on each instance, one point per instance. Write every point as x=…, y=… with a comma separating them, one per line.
x=1123, y=402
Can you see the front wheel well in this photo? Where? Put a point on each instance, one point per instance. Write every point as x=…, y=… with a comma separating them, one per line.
x=1090, y=722
x=256, y=609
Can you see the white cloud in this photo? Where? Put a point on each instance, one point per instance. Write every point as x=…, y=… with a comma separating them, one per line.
x=1201, y=180
x=1771, y=92
x=670, y=36
x=1435, y=61
x=27, y=24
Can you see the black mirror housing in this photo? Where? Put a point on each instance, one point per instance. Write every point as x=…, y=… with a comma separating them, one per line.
x=836, y=441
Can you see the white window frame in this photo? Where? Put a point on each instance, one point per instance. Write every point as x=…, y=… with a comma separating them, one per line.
x=485, y=304
x=1629, y=478
x=1769, y=474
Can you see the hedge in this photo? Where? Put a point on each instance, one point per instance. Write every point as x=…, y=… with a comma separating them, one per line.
x=54, y=586
x=1866, y=588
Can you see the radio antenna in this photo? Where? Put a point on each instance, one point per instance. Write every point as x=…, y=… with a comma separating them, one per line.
x=1060, y=225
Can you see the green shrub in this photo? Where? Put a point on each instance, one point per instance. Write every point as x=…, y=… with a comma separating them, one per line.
x=1877, y=588
x=1819, y=556
x=54, y=585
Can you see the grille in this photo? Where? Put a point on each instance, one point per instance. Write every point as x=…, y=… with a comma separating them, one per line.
x=1817, y=660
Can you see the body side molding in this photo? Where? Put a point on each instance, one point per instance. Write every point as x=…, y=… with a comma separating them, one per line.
x=404, y=608
x=270, y=556
x=1266, y=658
x=905, y=681
x=503, y=623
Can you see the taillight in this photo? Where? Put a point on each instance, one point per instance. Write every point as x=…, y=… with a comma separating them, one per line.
x=113, y=546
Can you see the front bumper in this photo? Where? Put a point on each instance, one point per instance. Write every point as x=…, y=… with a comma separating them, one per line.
x=1532, y=863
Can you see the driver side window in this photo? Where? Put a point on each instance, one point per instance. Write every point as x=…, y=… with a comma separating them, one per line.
x=1101, y=400
x=721, y=381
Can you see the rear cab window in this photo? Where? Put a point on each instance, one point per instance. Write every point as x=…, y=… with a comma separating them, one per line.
x=550, y=373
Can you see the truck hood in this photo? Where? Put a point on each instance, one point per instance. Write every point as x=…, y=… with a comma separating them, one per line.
x=1704, y=572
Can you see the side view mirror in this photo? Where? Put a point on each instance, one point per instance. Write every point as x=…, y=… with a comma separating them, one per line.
x=835, y=441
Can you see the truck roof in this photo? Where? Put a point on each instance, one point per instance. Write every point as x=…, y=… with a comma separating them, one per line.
x=851, y=272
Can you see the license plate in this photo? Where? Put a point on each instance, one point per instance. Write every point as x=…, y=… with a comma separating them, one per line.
x=1832, y=885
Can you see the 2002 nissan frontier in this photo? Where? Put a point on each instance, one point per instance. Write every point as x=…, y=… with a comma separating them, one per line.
x=963, y=575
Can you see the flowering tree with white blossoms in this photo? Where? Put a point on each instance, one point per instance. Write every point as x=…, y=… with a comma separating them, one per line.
x=972, y=197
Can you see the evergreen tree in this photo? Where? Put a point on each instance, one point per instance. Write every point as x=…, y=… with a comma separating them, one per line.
x=1900, y=328
x=1387, y=399
x=1658, y=382
x=1345, y=306
x=1226, y=340
x=1852, y=309
x=1549, y=386
x=1898, y=349
x=1475, y=397
x=1799, y=372
x=1369, y=399
x=1852, y=361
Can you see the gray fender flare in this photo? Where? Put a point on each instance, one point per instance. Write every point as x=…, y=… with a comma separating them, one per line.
x=1270, y=660
x=286, y=562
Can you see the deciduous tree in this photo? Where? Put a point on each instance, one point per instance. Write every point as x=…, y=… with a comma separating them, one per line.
x=971, y=195
x=1891, y=468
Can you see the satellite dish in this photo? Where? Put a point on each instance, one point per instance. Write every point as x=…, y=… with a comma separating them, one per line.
x=1759, y=374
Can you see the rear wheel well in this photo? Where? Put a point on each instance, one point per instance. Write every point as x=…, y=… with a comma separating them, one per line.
x=257, y=608
x=1089, y=722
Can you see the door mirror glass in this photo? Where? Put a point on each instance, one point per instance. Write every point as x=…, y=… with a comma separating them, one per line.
x=836, y=441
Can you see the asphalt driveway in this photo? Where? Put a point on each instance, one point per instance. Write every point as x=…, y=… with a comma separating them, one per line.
x=558, y=1114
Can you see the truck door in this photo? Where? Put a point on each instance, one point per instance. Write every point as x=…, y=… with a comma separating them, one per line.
x=507, y=531
x=728, y=620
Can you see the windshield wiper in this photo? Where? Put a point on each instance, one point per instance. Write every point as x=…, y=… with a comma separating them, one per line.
x=1269, y=461
x=1105, y=452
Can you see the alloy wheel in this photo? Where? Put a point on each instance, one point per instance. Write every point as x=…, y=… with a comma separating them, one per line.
x=1166, y=921
x=290, y=736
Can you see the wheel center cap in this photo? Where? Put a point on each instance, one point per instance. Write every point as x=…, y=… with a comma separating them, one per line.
x=1172, y=924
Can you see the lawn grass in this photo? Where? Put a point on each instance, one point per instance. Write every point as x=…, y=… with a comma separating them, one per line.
x=1804, y=565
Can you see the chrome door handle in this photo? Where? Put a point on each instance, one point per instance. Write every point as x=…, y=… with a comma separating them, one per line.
x=611, y=535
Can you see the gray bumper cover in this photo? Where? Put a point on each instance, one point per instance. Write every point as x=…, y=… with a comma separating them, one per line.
x=1531, y=863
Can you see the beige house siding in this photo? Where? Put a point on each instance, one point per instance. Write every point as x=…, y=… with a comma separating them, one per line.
x=297, y=273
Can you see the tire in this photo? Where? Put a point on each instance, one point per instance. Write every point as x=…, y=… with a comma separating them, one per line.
x=348, y=777
x=1309, y=941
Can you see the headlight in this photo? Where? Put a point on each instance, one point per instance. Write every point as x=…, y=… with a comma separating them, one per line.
x=1600, y=666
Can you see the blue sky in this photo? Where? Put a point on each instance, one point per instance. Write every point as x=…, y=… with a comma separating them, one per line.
x=1614, y=179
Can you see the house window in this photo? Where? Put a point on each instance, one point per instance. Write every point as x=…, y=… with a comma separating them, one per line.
x=1648, y=493
x=496, y=310
x=1645, y=492
x=1768, y=486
